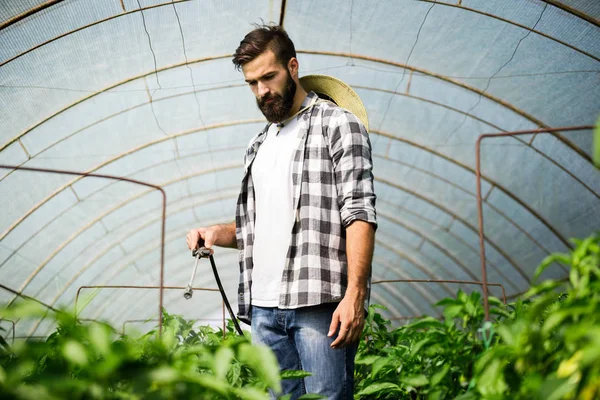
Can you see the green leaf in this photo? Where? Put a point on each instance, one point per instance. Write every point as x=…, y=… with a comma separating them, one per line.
x=366, y=360
x=311, y=396
x=164, y=374
x=415, y=380
x=294, y=374
x=426, y=322
x=417, y=347
x=438, y=376
x=379, y=365
x=250, y=393
x=75, y=353
x=209, y=382
x=100, y=338
x=556, y=389
x=223, y=357
x=562, y=258
x=379, y=387
x=546, y=286
x=453, y=311
x=263, y=362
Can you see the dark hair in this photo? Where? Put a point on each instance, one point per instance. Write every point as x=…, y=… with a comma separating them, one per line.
x=271, y=37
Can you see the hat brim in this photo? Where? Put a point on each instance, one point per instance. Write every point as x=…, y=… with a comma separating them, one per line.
x=339, y=92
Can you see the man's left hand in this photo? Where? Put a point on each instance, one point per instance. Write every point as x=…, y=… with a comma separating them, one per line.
x=350, y=318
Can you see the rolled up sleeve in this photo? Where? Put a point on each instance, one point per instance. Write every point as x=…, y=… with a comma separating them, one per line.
x=353, y=168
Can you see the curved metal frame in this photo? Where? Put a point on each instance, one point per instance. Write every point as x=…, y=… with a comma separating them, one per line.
x=180, y=277
x=72, y=237
x=496, y=209
x=86, y=174
x=146, y=287
x=13, y=328
x=451, y=234
x=379, y=133
x=282, y=16
x=479, y=197
x=458, y=282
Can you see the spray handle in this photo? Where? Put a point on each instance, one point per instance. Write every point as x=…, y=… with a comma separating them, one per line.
x=201, y=251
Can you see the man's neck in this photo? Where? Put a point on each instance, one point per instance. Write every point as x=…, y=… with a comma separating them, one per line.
x=298, y=99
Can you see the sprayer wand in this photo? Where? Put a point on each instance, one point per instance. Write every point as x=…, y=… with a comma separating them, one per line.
x=203, y=252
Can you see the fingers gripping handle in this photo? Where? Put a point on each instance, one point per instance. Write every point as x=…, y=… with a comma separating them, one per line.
x=201, y=251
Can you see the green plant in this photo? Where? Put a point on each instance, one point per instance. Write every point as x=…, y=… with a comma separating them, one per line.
x=81, y=361
x=551, y=350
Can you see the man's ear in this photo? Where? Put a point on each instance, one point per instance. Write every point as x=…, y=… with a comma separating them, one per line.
x=293, y=67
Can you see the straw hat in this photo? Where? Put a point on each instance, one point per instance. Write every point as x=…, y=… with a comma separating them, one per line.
x=337, y=91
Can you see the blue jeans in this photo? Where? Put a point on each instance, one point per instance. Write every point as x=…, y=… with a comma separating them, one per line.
x=299, y=340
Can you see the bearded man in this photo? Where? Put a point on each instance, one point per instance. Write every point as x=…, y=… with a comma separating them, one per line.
x=305, y=218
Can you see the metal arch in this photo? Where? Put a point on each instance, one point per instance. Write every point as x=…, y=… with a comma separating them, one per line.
x=406, y=257
x=164, y=211
x=510, y=194
x=530, y=145
x=59, y=249
x=343, y=55
x=424, y=255
x=150, y=222
x=143, y=287
x=573, y=11
x=99, y=312
x=69, y=283
x=551, y=2
x=455, y=216
x=125, y=110
x=457, y=187
x=428, y=239
x=92, y=193
x=489, y=180
x=454, y=236
x=13, y=329
x=88, y=264
x=28, y=13
x=132, y=287
x=458, y=282
x=506, y=191
x=419, y=289
x=107, y=162
x=87, y=226
x=457, y=83
x=147, y=249
x=480, y=202
x=282, y=15
x=5, y=25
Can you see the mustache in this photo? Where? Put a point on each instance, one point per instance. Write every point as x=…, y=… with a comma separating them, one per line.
x=269, y=96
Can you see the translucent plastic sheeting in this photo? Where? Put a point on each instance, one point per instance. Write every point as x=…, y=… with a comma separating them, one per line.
x=117, y=97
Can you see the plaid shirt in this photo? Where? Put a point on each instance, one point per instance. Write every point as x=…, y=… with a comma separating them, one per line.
x=332, y=186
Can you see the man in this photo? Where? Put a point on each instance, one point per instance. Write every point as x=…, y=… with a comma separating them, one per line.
x=305, y=222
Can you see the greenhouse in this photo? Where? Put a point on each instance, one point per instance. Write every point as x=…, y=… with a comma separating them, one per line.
x=124, y=124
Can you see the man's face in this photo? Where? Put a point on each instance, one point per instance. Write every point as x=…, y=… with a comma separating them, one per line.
x=272, y=85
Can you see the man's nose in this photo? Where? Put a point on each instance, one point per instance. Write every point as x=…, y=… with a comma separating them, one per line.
x=262, y=89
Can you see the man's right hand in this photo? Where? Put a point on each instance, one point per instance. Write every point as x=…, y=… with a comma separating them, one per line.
x=219, y=235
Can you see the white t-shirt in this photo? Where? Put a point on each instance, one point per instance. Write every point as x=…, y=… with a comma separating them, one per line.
x=272, y=179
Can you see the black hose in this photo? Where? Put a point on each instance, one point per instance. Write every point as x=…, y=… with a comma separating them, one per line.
x=233, y=318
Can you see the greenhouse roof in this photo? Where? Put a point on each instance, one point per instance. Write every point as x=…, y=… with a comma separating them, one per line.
x=146, y=90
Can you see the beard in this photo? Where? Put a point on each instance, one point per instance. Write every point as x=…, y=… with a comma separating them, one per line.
x=278, y=109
